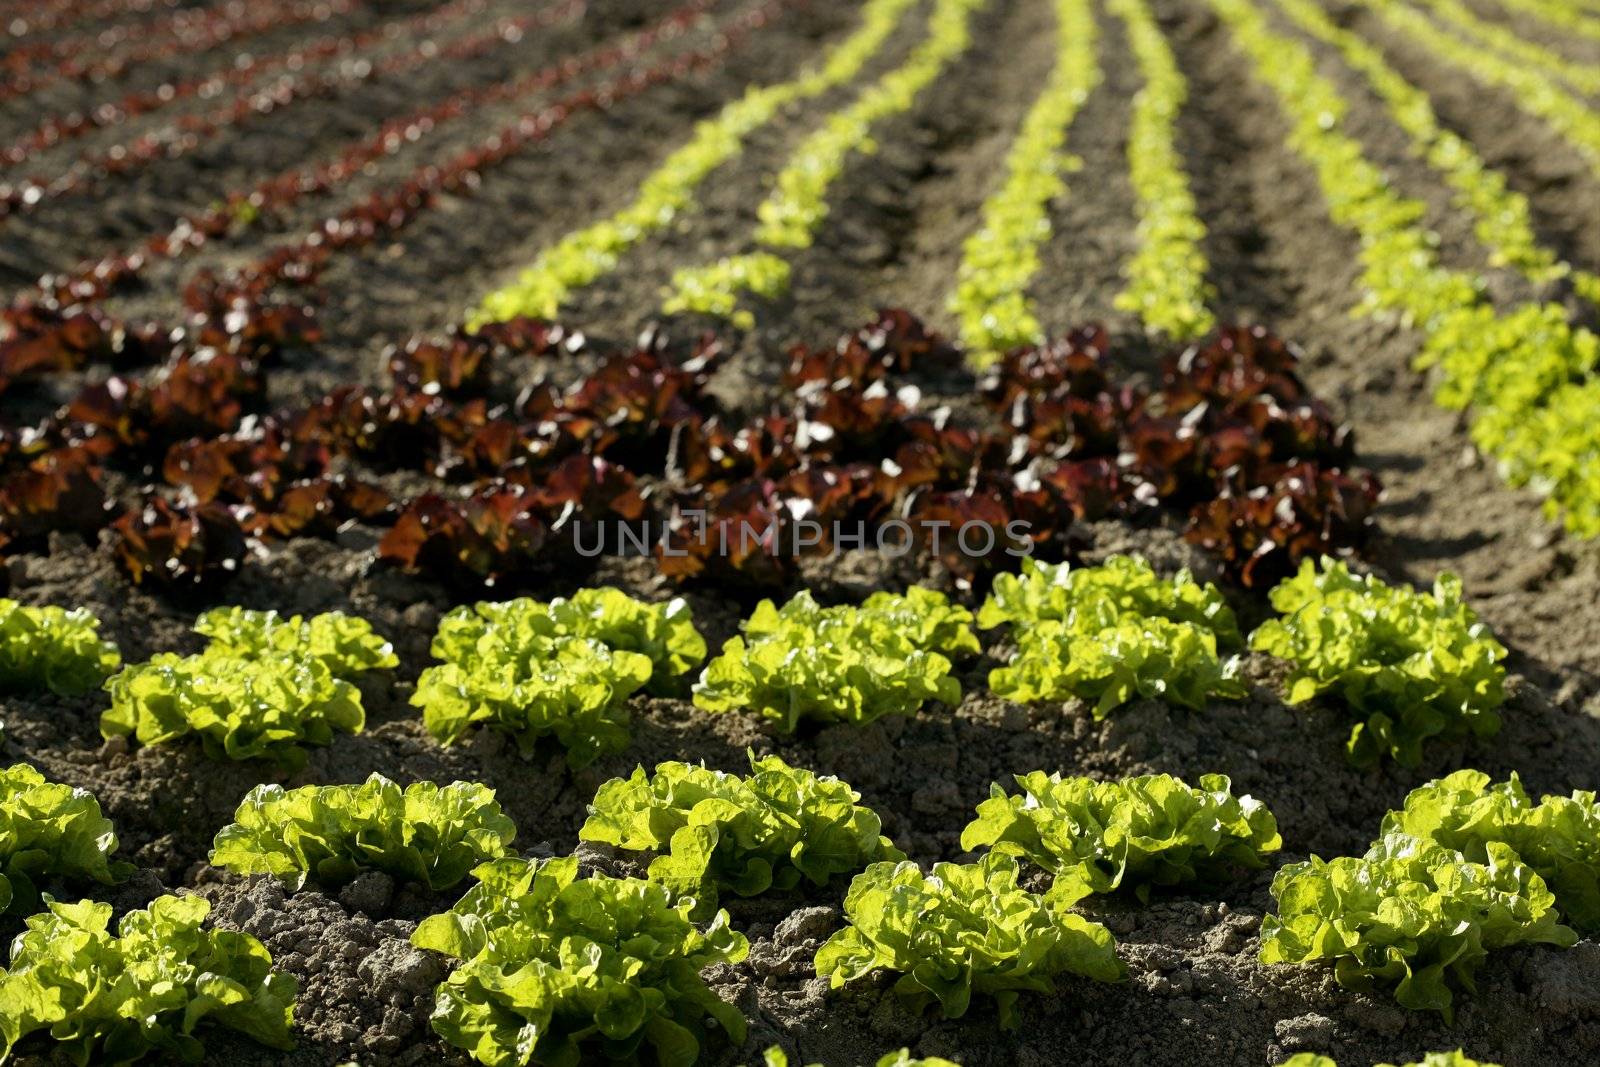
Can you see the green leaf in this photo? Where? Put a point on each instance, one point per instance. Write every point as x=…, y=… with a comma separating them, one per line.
x=1408, y=916
x=721, y=831
x=425, y=833
x=525, y=630
x=574, y=690
x=144, y=992
x=266, y=706
x=51, y=833
x=1090, y=599
x=840, y=664
x=1413, y=665
x=964, y=929
x=557, y=969
x=52, y=649
x=1154, y=830
x=348, y=646
x=1559, y=837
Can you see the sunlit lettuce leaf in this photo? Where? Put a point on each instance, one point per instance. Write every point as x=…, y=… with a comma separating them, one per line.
x=50, y=833
x=346, y=644
x=1559, y=837
x=1411, y=917
x=52, y=649
x=264, y=706
x=328, y=834
x=744, y=834
x=1153, y=830
x=1411, y=664
x=964, y=930
x=560, y=970
x=840, y=664
x=570, y=688
x=144, y=992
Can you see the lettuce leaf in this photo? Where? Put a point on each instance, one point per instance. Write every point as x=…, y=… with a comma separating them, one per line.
x=840, y=664
x=243, y=708
x=745, y=834
x=964, y=929
x=572, y=689
x=52, y=648
x=1409, y=916
x=1559, y=837
x=144, y=992
x=347, y=645
x=1150, y=658
x=1412, y=665
x=1088, y=599
x=328, y=834
x=1154, y=830
x=526, y=629
x=561, y=970
x=50, y=832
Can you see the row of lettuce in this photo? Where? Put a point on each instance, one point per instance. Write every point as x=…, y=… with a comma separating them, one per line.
x=1525, y=374
x=612, y=965
x=1406, y=665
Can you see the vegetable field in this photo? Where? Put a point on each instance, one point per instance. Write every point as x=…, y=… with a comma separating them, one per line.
x=774, y=532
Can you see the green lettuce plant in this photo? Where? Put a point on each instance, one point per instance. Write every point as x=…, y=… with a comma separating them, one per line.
x=560, y=970
x=146, y=992
x=52, y=648
x=347, y=645
x=1111, y=633
x=1153, y=830
x=718, y=831
x=265, y=706
x=1414, y=665
x=1409, y=916
x=840, y=664
x=1559, y=837
x=964, y=929
x=573, y=689
x=1095, y=598
x=525, y=630
x=328, y=834
x=50, y=832
x=1136, y=658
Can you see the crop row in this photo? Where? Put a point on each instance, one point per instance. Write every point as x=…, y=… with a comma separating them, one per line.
x=1521, y=373
x=584, y=256
x=54, y=130
x=1555, y=13
x=1408, y=666
x=798, y=203
x=62, y=327
x=253, y=103
x=1535, y=93
x=28, y=18
x=1166, y=276
x=1498, y=38
x=1001, y=257
x=644, y=941
x=47, y=321
x=1475, y=866
x=1230, y=438
x=92, y=57
x=1501, y=217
